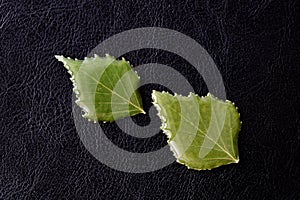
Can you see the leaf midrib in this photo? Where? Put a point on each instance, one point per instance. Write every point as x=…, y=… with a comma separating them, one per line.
x=128, y=101
x=205, y=135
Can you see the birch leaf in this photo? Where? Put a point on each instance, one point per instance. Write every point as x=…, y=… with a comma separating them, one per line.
x=106, y=88
x=202, y=131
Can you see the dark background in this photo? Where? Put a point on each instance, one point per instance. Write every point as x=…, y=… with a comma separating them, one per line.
x=255, y=45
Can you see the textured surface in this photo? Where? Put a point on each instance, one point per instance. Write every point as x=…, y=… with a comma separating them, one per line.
x=254, y=44
x=202, y=131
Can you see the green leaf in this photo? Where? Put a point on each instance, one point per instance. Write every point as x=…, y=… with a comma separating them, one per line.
x=106, y=88
x=202, y=131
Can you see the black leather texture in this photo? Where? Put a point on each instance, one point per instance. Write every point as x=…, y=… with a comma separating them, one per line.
x=255, y=45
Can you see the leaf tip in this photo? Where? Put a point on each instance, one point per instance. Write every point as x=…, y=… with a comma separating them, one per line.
x=59, y=57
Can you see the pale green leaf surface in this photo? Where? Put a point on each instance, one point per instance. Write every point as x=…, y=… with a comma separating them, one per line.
x=202, y=131
x=106, y=88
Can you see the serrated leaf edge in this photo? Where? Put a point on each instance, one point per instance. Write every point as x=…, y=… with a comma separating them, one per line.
x=75, y=89
x=168, y=133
